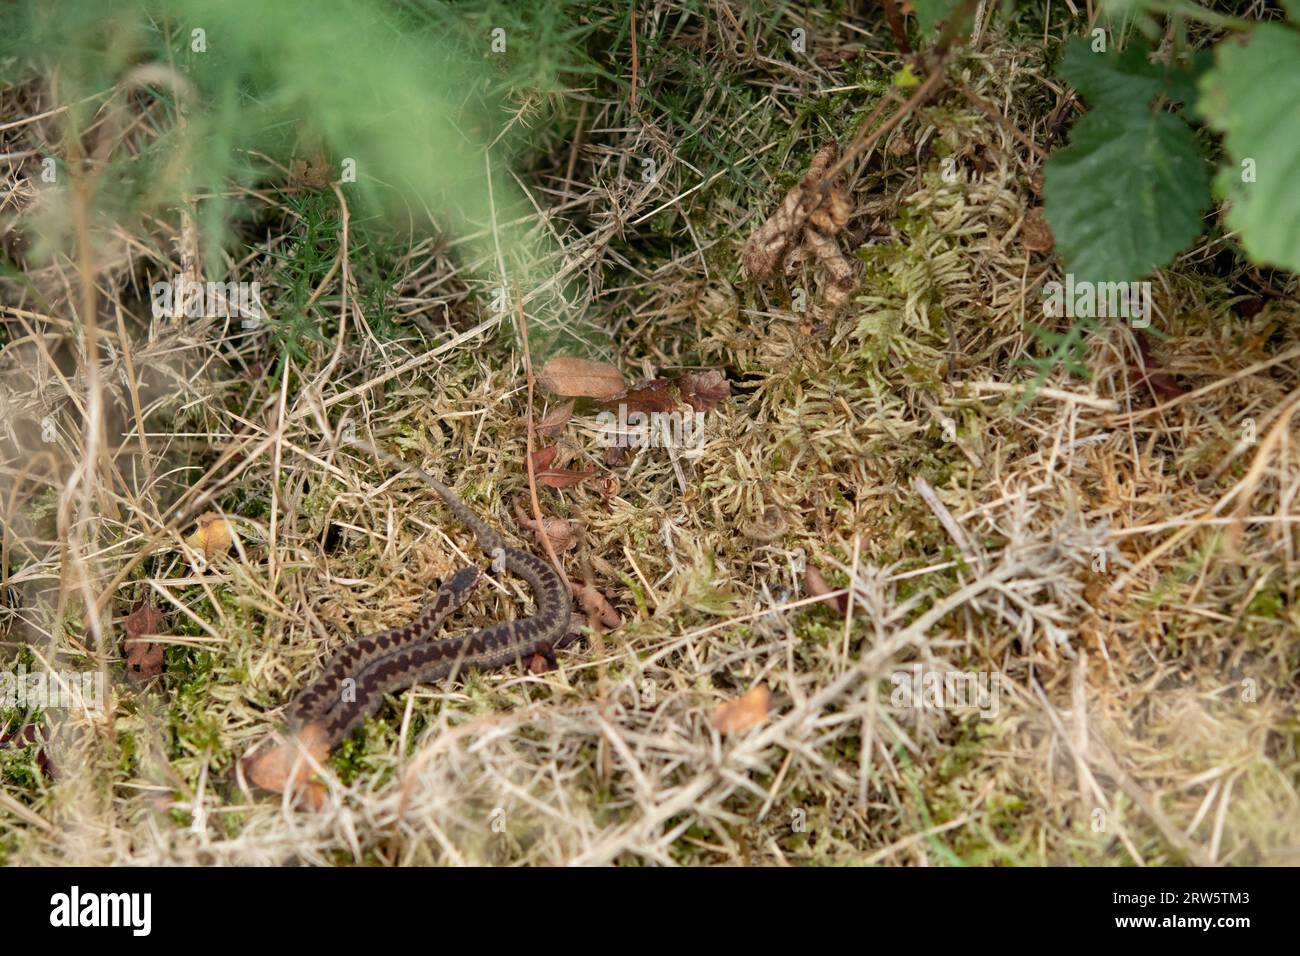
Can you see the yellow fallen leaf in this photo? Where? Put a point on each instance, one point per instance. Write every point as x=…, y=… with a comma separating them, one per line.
x=212, y=536
x=746, y=711
x=906, y=79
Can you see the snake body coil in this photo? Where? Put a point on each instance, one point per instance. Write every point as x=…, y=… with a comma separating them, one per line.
x=389, y=661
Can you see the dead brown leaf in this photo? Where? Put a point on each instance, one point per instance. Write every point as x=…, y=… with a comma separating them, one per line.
x=704, y=391
x=543, y=457
x=144, y=658
x=574, y=377
x=648, y=397
x=746, y=711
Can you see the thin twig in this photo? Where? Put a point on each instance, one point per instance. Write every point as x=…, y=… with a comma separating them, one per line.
x=532, y=475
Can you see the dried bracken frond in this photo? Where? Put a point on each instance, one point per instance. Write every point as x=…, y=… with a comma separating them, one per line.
x=803, y=228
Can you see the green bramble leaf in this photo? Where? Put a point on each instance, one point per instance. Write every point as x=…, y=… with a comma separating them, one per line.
x=1127, y=195
x=1184, y=85
x=1253, y=97
x=1128, y=79
x=1109, y=80
x=1130, y=191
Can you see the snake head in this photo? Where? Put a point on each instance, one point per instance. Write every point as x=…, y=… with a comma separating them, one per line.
x=463, y=581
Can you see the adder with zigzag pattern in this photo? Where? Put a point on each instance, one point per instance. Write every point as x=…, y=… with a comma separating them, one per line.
x=391, y=660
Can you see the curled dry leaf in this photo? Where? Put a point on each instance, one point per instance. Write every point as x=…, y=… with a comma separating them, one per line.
x=704, y=391
x=1162, y=383
x=838, y=268
x=746, y=711
x=609, y=485
x=553, y=477
x=554, y=421
x=816, y=586
x=285, y=767
x=543, y=457
x=841, y=281
x=595, y=607
x=574, y=377
x=832, y=215
x=563, y=533
x=212, y=535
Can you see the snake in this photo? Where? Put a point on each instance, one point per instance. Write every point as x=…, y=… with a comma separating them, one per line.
x=391, y=660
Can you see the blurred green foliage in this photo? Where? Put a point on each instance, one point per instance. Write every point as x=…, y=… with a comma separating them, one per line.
x=175, y=103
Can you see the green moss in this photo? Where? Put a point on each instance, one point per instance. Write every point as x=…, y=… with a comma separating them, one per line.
x=1268, y=603
x=19, y=768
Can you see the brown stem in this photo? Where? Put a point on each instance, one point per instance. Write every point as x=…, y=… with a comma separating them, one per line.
x=532, y=476
x=896, y=27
